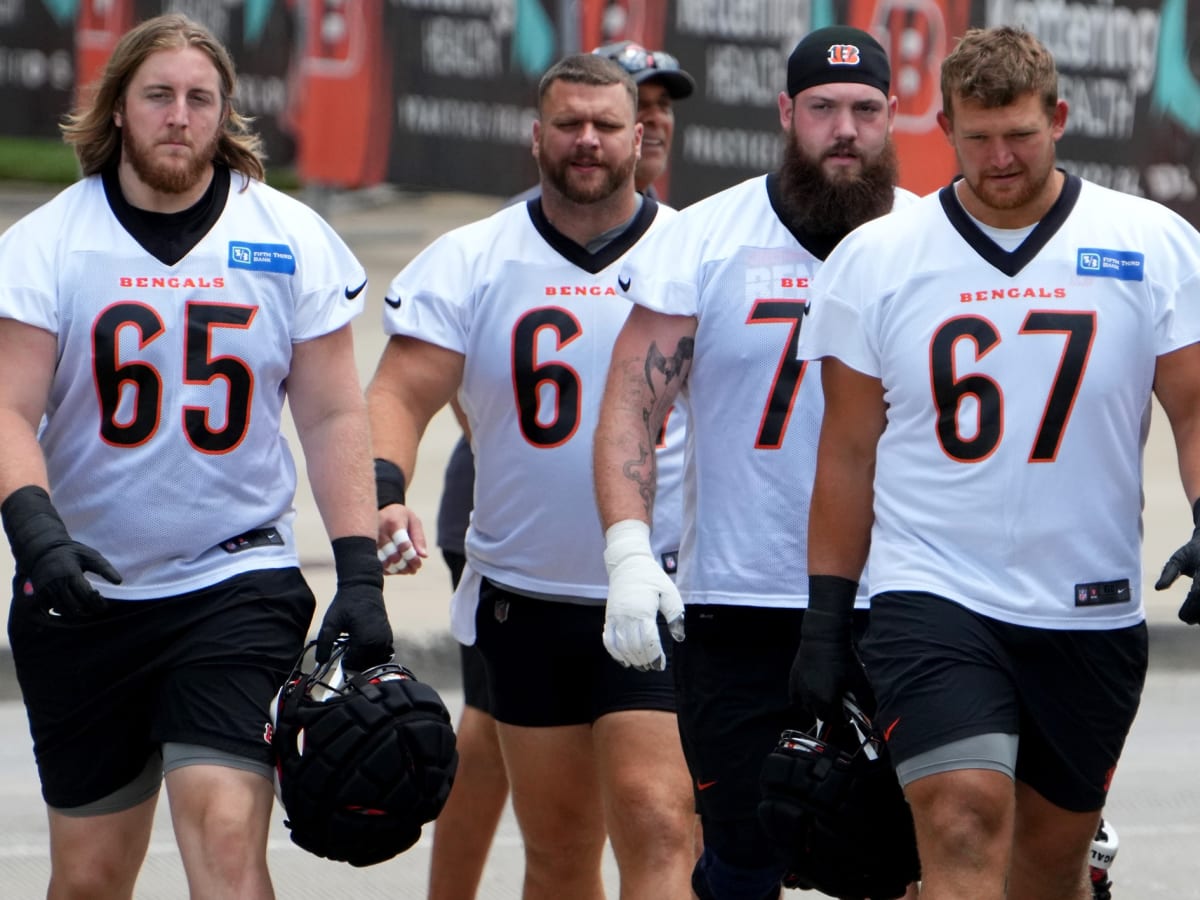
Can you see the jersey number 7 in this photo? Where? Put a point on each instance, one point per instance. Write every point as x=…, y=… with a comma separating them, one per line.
x=788, y=375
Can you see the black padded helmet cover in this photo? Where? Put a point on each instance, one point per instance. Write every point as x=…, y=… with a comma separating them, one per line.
x=363, y=764
x=836, y=814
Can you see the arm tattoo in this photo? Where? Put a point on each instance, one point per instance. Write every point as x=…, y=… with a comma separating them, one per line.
x=660, y=371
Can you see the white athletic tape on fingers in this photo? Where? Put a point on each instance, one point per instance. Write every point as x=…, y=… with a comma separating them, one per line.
x=400, y=536
x=395, y=568
x=388, y=549
x=409, y=555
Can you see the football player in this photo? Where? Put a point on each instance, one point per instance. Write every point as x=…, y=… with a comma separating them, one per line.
x=988, y=382
x=517, y=314
x=153, y=319
x=460, y=844
x=720, y=296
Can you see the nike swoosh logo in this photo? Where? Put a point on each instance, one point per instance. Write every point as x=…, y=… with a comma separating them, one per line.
x=705, y=785
x=394, y=304
x=887, y=734
x=624, y=283
x=351, y=293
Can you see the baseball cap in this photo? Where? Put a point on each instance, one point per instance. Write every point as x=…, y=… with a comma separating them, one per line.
x=650, y=65
x=838, y=54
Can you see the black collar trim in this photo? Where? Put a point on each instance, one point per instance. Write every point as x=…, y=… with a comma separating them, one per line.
x=1011, y=262
x=610, y=253
x=169, y=237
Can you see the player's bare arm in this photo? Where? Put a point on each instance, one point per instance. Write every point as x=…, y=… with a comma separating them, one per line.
x=839, y=531
x=413, y=381
x=460, y=417
x=650, y=362
x=1177, y=386
x=27, y=357
x=42, y=548
x=839, y=536
x=330, y=413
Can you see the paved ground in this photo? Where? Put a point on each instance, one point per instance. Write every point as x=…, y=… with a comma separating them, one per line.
x=1155, y=797
x=1153, y=804
x=24, y=865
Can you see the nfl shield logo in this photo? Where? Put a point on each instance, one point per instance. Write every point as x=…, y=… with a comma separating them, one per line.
x=501, y=611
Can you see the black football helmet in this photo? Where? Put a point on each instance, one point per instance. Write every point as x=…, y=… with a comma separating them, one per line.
x=835, y=813
x=362, y=759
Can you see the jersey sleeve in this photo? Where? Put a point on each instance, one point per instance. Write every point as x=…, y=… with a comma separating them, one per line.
x=429, y=299
x=1177, y=283
x=332, y=286
x=28, y=288
x=660, y=273
x=840, y=310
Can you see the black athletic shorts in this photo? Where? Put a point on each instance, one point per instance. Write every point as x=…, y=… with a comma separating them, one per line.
x=942, y=673
x=475, y=680
x=455, y=562
x=547, y=666
x=731, y=681
x=104, y=693
x=474, y=671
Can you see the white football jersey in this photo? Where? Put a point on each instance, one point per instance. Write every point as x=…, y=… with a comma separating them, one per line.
x=535, y=317
x=161, y=434
x=754, y=411
x=1018, y=387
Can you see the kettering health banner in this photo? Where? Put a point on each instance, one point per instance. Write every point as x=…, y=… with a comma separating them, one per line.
x=441, y=94
x=1129, y=69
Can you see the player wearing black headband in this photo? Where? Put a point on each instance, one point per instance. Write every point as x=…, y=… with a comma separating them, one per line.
x=720, y=297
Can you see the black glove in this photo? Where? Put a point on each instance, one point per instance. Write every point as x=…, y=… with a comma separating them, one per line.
x=1185, y=561
x=46, y=555
x=826, y=665
x=357, y=608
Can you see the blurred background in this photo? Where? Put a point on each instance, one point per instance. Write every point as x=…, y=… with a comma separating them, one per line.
x=400, y=119
x=438, y=95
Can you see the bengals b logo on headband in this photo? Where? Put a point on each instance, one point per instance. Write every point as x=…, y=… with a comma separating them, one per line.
x=843, y=55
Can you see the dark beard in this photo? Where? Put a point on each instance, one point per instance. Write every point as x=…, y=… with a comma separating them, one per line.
x=559, y=176
x=164, y=179
x=815, y=204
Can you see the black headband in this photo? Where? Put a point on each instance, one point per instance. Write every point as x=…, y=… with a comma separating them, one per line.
x=838, y=54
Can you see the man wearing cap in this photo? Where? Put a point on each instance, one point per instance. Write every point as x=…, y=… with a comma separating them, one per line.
x=660, y=82
x=719, y=299
x=469, y=820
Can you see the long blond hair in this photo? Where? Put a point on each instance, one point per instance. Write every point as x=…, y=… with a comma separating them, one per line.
x=96, y=137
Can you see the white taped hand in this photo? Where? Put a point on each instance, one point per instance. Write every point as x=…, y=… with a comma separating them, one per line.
x=392, y=547
x=638, y=590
